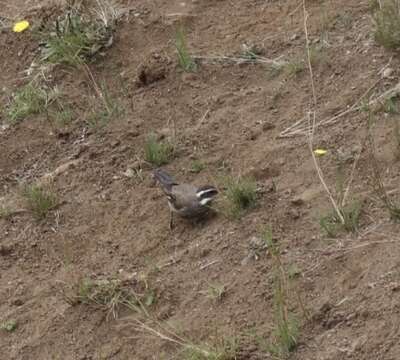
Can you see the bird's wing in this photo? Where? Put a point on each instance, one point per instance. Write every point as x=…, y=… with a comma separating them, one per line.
x=165, y=180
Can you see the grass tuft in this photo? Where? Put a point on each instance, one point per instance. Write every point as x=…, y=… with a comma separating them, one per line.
x=111, y=294
x=197, y=166
x=28, y=100
x=387, y=24
x=156, y=152
x=9, y=326
x=75, y=38
x=294, y=67
x=241, y=194
x=185, y=60
x=287, y=329
x=5, y=212
x=108, y=110
x=215, y=292
x=40, y=201
x=392, y=207
x=332, y=225
x=226, y=349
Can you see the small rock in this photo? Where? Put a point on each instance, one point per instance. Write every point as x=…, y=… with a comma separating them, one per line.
x=263, y=172
x=251, y=134
x=6, y=250
x=256, y=243
x=268, y=126
x=306, y=196
x=387, y=73
x=137, y=165
x=115, y=143
x=394, y=286
x=294, y=214
x=164, y=133
x=132, y=133
x=129, y=173
x=4, y=127
x=17, y=302
x=298, y=201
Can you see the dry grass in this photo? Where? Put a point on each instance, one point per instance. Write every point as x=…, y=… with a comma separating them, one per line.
x=387, y=24
x=110, y=294
x=40, y=201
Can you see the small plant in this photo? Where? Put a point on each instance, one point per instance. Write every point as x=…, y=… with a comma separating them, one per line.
x=251, y=52
x=215, y=292
x=29, y=100
x=390, y=106
x=274, y=70
x=76, y=38
x=226, y=349
x=293, y=271
x=112, y=294
x=9, y=326
x=286, y=333
x=294, y=67
x=63, y=116
x=397, y=137
x=197, y=166
x=185, y=60
x=241, y=194
x=156, y=152
x=332, y=225
x=109, y=109
x=317, y=55
x=39, y=200
x=5, y=212
x=392, y=208
x=387, y=24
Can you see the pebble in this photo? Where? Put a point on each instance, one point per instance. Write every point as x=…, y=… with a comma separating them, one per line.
x=387, y=73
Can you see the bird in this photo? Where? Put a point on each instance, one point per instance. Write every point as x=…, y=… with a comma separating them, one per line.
x=186, y=200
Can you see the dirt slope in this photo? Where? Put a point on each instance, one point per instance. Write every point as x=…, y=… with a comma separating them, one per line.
x=230, y=116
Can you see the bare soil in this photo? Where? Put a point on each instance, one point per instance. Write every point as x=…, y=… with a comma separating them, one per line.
x=229, y=116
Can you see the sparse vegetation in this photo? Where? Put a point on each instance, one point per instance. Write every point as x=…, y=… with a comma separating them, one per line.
x=390, y=106
x=9, y=326
x=274, y=70
x=397, y=137
x=197, y=166
x=392, y=207
x=346, y=216
x=63, y=116
x=332, y=225
x=226, y=349
x=241, y=194
x=28, y=100
x=317, y=55
x=387, y=23
x=286, y=333
x=111, y=294
x=5, y=212
x=215, y=291
x=294, y=67
x=106, y=111
x=185, y=60
x=77, y=37
x=158, y=152
x=39, y=200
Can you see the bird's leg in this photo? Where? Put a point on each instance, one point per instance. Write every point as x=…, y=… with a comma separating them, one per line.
x=171, y=220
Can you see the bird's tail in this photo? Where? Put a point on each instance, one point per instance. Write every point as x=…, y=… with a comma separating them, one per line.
x=165, y=180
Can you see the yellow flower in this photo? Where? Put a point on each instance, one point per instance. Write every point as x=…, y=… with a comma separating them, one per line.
x=20, y=26
x=320, y=152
